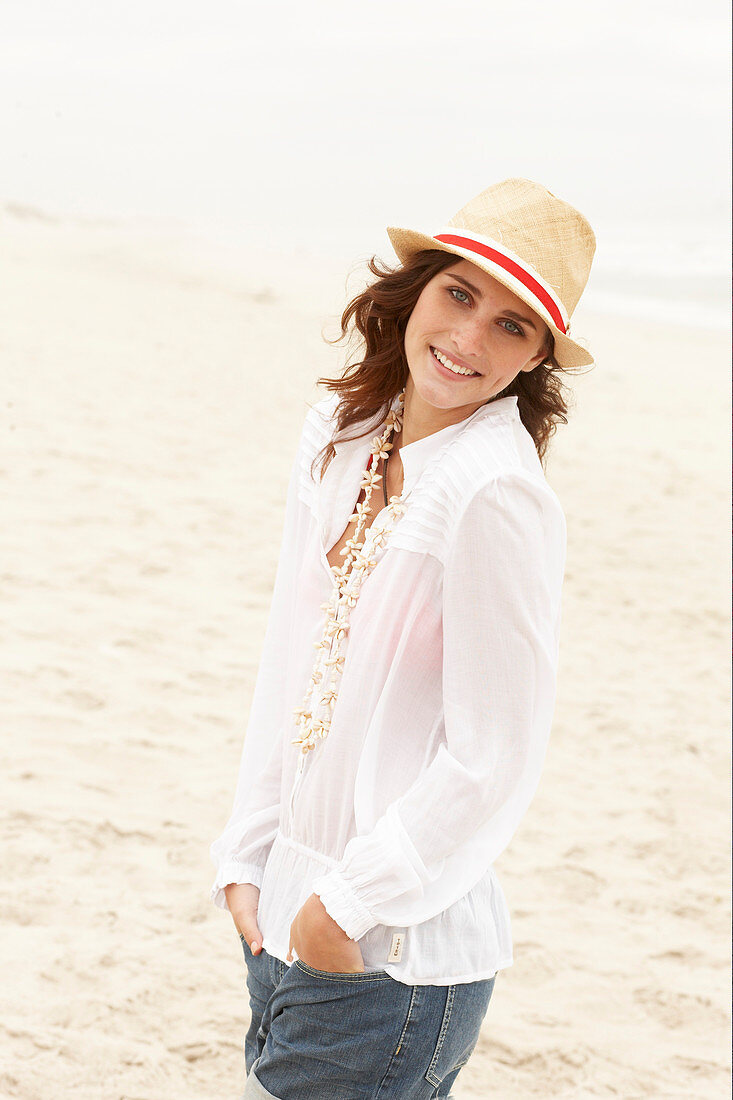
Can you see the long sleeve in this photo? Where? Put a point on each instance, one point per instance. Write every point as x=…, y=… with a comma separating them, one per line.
x=240, y=853
x=501, y=615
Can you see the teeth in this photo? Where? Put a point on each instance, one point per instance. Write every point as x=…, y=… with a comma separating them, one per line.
x=450, y=364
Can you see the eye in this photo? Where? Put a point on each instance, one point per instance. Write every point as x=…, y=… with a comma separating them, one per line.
x=516, y=330
x=453, y=290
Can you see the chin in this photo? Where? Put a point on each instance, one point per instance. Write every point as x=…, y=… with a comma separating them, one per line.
x=439, y=398
x=432, y=395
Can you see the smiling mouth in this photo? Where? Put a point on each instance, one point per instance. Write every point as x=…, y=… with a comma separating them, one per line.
x=454, y=368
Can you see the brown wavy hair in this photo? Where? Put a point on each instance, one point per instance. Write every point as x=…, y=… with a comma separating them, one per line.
x=375, y=321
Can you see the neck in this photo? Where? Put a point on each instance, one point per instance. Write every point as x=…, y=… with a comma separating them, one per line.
x=420, y=419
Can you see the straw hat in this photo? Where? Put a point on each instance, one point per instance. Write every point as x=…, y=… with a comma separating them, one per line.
x=535, y=244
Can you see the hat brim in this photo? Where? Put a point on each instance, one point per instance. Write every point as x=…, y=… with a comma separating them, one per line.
x=406, y=242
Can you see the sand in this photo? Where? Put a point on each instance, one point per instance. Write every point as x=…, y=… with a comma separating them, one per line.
x=145, y=390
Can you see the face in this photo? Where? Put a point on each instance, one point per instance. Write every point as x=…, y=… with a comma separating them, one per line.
x=466, y=316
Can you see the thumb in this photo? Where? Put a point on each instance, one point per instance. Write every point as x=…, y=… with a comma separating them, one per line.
x=249, y=929
x=242, y=903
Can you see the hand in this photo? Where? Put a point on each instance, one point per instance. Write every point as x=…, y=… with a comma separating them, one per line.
x=321, y=943
x=243, y=901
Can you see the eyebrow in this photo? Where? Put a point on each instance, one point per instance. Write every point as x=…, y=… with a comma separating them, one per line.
x=475, y=290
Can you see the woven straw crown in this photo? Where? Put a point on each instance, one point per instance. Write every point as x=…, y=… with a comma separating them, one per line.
x=532, y=242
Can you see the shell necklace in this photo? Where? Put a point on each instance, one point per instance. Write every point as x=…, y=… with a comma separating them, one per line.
x=314, y=719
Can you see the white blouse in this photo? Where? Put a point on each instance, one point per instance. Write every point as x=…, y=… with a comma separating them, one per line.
x=441, y=725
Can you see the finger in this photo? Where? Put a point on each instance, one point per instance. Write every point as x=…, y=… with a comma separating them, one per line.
x=248, y=927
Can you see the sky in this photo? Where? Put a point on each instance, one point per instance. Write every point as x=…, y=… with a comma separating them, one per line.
x=315, y=125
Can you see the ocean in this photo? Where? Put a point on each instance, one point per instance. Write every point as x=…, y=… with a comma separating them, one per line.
x=269, y=129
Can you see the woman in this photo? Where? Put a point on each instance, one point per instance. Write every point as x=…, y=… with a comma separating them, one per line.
x=380, y=781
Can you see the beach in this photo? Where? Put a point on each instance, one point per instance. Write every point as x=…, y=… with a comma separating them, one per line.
x=153, y=400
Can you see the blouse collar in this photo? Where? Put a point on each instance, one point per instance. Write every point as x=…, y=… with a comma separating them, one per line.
x=343, y=474
x=416, y=455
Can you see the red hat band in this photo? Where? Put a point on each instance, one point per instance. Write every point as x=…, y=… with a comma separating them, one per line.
x=507, y=263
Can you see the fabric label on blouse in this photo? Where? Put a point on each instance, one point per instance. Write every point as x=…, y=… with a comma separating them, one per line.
x=395, y=953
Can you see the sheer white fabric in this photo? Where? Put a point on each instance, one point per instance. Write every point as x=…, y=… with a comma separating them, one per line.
x=440, y=730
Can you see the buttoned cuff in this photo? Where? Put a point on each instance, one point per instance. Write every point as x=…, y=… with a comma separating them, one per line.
x=342, y=904
x=233, y=872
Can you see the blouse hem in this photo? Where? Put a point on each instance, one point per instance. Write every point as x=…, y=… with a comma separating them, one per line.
x=293, y=862
x=278, y=952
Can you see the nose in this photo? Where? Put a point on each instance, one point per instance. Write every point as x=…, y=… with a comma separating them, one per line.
x=469, y=338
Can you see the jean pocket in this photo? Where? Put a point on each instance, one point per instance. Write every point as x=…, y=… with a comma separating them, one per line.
x=341, y=975
x=465, y=1008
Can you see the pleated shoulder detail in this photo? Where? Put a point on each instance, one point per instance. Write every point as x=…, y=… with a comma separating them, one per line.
x=485, y=450
x=317, y=432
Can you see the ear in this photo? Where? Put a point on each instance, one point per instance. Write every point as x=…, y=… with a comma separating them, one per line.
x=535, y=361
x=545, y=350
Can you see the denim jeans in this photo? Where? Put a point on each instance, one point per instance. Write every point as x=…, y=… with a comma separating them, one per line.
x=317, y=1035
